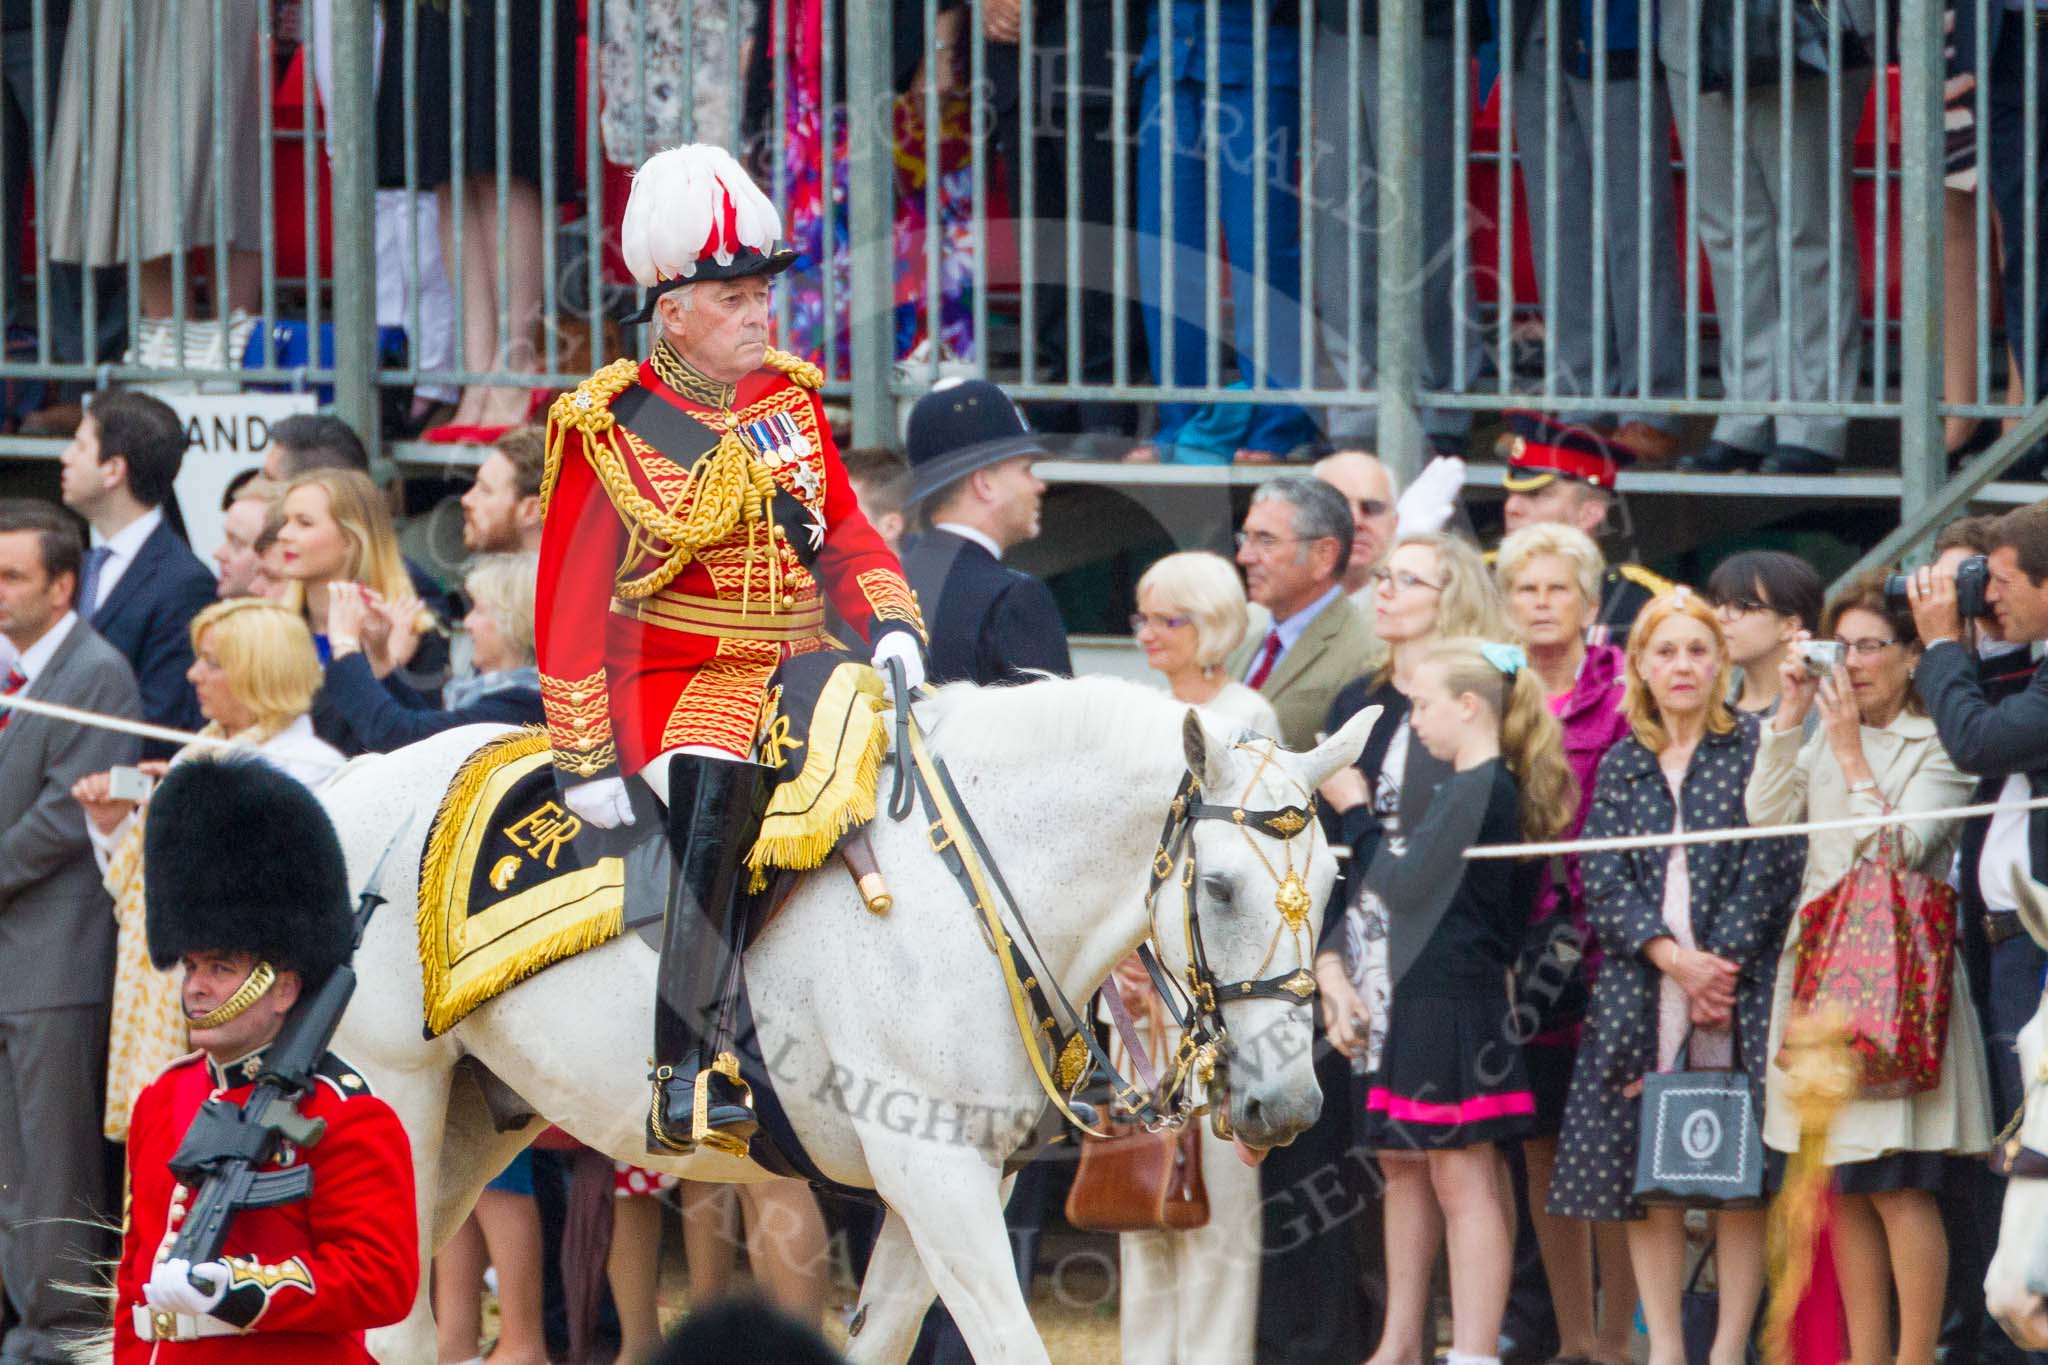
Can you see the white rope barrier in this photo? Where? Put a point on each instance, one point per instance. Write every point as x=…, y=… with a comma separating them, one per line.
x=1627, y=842
x=142, y=728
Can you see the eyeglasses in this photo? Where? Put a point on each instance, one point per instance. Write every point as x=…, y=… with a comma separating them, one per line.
x=1402, y=580
x=1141, y=620
x=1864, y=649
x=1262, y=543
x=1372, y=507
x=1740, y=606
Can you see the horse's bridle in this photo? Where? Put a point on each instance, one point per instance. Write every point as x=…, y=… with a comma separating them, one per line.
x=2010, y=1157
x=1045, y=1017
x=1203, y=1032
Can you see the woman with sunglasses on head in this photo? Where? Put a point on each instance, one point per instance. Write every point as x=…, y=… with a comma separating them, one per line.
x=1688, y=931
x=1876, y=753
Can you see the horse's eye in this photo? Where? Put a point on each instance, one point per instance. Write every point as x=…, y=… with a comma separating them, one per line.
x=1216, y=886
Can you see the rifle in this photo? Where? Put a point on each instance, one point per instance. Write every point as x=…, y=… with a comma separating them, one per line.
x=228, y=1145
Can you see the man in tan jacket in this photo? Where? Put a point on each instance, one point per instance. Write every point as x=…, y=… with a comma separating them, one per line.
x=1294, y=547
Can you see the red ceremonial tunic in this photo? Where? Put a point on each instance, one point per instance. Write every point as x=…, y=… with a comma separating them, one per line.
x=673, y=581
x=310, y=1278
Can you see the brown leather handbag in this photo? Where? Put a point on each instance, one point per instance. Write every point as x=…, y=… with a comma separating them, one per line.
x=1138, y=1181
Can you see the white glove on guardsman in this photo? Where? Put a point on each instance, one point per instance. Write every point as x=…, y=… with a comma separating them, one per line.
x=900, y=645
x=601, y=802
x=1427, y=504
x=170, y=1288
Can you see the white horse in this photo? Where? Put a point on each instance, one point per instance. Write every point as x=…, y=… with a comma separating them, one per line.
x=891, y=1038
x=2016, y=1286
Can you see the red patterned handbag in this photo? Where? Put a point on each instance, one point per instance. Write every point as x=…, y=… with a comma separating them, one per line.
x=1878, y=948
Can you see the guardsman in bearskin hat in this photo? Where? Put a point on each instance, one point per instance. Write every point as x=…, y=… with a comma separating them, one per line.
x=246, y=891
x=1558, y=472
x=697, y=519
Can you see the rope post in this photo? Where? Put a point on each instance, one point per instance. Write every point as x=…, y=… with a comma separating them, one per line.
x=352, y=153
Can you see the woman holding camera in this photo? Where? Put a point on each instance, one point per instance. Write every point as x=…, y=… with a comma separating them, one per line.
x=1876, y=753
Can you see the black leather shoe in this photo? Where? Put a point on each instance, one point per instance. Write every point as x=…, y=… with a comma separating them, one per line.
x=1718, y=457
x=1798, y=460
x=729, y=1121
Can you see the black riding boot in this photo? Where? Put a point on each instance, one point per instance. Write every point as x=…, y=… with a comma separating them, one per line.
x=714, y=813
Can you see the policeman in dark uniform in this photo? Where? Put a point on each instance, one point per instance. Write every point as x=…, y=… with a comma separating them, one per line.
x=247, y=893
x=1558, y=472
x=974, y=492
x=970, y=459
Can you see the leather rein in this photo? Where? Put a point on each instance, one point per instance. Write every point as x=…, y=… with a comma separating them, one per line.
x=1046, y=1020
x=2010, y=1157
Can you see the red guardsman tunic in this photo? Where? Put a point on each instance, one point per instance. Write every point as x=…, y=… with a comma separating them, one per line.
x=692, y=532
x=309, y=1278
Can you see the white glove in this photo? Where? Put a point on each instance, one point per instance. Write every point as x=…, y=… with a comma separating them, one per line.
x=1427, y=504
x=601, y=802
x=900, y=645
x=170, y=1290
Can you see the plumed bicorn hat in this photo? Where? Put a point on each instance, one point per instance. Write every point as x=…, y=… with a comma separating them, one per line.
x=695, y=214
x=239, y=857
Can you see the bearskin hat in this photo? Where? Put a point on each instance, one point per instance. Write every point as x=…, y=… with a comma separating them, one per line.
x=239, y=857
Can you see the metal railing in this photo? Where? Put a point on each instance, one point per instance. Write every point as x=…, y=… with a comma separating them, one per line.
x=1330, y=216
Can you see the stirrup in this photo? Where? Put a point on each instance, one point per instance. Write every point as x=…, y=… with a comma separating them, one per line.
x=701, y=1131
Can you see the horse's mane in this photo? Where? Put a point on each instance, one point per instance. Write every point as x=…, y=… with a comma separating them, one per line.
x=1109, y=721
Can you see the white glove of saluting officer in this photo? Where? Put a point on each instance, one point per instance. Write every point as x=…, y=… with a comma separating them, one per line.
x=901, y=646
x=601, y=802
x=1427, y=505
x=170, y=1288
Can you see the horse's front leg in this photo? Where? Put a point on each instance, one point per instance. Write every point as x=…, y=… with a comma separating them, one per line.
x=950, y=1200
x=893, y=1299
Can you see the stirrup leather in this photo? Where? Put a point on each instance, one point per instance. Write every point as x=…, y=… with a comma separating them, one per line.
x=701, y=1131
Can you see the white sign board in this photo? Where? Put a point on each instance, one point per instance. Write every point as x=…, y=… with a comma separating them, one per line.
x=225, y=434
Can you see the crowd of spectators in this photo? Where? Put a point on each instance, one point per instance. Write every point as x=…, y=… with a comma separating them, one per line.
x=1250, y=192
x=1515, y=699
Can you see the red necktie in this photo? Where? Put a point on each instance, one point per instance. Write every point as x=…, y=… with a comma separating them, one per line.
x=16, y=680
x=1268, y=653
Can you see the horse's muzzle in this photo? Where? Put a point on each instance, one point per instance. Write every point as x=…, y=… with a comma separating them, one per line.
x=1273, y=1118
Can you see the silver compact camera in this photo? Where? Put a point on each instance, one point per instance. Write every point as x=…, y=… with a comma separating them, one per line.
x=1821, y=656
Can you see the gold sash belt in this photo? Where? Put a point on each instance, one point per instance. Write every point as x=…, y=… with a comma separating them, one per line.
x=718, y=616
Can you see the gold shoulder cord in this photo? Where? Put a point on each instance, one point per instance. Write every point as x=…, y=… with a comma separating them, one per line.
x=724, y=487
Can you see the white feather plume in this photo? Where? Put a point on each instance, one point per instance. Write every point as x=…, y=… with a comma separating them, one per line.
x=677, y=196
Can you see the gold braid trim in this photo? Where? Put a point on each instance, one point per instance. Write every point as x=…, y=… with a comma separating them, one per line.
x=725, y=487
x=891, y=599
x=799, y=371
x=579, y=723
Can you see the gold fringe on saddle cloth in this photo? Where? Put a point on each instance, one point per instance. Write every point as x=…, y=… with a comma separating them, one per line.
x=833, y=789
x=510, y=882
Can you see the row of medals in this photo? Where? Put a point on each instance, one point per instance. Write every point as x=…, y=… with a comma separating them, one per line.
x=777, y=442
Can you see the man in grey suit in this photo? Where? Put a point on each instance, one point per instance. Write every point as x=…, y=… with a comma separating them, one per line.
x=1294, y=547
x=56, y=936
x=1822, y=331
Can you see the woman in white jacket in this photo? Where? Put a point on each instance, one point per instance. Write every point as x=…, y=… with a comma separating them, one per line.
x=255, y=673
x=1875, y=752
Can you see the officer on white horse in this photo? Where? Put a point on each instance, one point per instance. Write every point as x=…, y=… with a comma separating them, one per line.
x=697, y=518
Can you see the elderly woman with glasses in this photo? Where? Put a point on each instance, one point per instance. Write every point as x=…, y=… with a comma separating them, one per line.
x=1876, y=753
x=1187, y=1294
